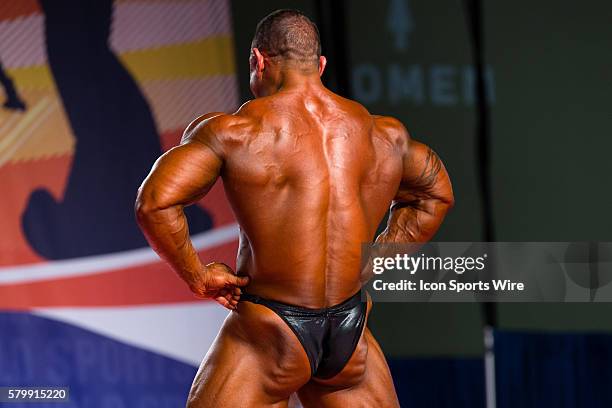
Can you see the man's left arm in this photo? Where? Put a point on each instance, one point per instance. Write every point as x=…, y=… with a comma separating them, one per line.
x=423, y=198
x=180, y=177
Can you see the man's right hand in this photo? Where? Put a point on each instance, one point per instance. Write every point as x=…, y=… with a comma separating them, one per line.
x=217, y=281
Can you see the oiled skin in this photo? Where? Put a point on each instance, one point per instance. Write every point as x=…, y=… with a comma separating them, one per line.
x=309, y=176
x=308, y=185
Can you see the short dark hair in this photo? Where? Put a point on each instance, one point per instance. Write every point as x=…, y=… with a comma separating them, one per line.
x=288, y=34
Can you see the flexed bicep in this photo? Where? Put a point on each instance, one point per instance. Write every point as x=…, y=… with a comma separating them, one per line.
x=181, y=176
x=185, y=173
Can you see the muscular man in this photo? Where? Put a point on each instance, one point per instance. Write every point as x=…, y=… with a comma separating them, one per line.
x=309, y=176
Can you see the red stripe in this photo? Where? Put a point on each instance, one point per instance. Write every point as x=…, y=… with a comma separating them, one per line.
x=148, y=284
x=13, y=9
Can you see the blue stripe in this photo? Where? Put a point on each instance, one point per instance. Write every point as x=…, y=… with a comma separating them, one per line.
x=101, y=372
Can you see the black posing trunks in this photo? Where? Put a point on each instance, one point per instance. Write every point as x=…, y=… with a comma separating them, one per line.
x=329, y=335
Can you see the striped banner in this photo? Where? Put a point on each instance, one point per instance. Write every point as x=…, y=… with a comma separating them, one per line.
x=93, y=93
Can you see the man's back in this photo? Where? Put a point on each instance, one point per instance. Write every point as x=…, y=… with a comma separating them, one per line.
x=310, y=176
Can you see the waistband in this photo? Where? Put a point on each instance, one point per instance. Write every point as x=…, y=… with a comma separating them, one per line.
x=349, y=303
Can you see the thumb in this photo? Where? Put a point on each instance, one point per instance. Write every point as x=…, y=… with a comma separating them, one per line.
x=238, y=280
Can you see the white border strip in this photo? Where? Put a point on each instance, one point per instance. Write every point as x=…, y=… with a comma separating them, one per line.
x=101, y=263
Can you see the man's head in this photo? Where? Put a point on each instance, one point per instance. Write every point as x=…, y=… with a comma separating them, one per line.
x=285, y=40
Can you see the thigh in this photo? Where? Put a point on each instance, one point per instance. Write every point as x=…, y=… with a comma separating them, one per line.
x=256, y=361
x=365, y=382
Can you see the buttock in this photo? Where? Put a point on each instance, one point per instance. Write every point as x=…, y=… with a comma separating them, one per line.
x=329, y=336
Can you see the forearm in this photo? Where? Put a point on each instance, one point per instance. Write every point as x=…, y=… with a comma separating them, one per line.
x=414, y=221
x=167, y=232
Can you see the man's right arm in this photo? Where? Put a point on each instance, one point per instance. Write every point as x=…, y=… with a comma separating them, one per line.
x=424, y=196
x=179, y=178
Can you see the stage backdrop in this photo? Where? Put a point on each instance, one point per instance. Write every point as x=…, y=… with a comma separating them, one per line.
x=94, y=93
x=413, y=60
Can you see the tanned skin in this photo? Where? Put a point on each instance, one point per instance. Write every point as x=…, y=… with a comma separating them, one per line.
x=309, y=176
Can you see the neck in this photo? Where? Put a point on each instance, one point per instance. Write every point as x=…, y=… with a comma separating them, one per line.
x=292, y=80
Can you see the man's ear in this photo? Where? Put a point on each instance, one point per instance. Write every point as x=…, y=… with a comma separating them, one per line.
x=259, y=58
x=322, y=64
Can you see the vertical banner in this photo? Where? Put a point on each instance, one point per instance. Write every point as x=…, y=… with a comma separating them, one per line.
x=411, y=59
x=93, y=93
